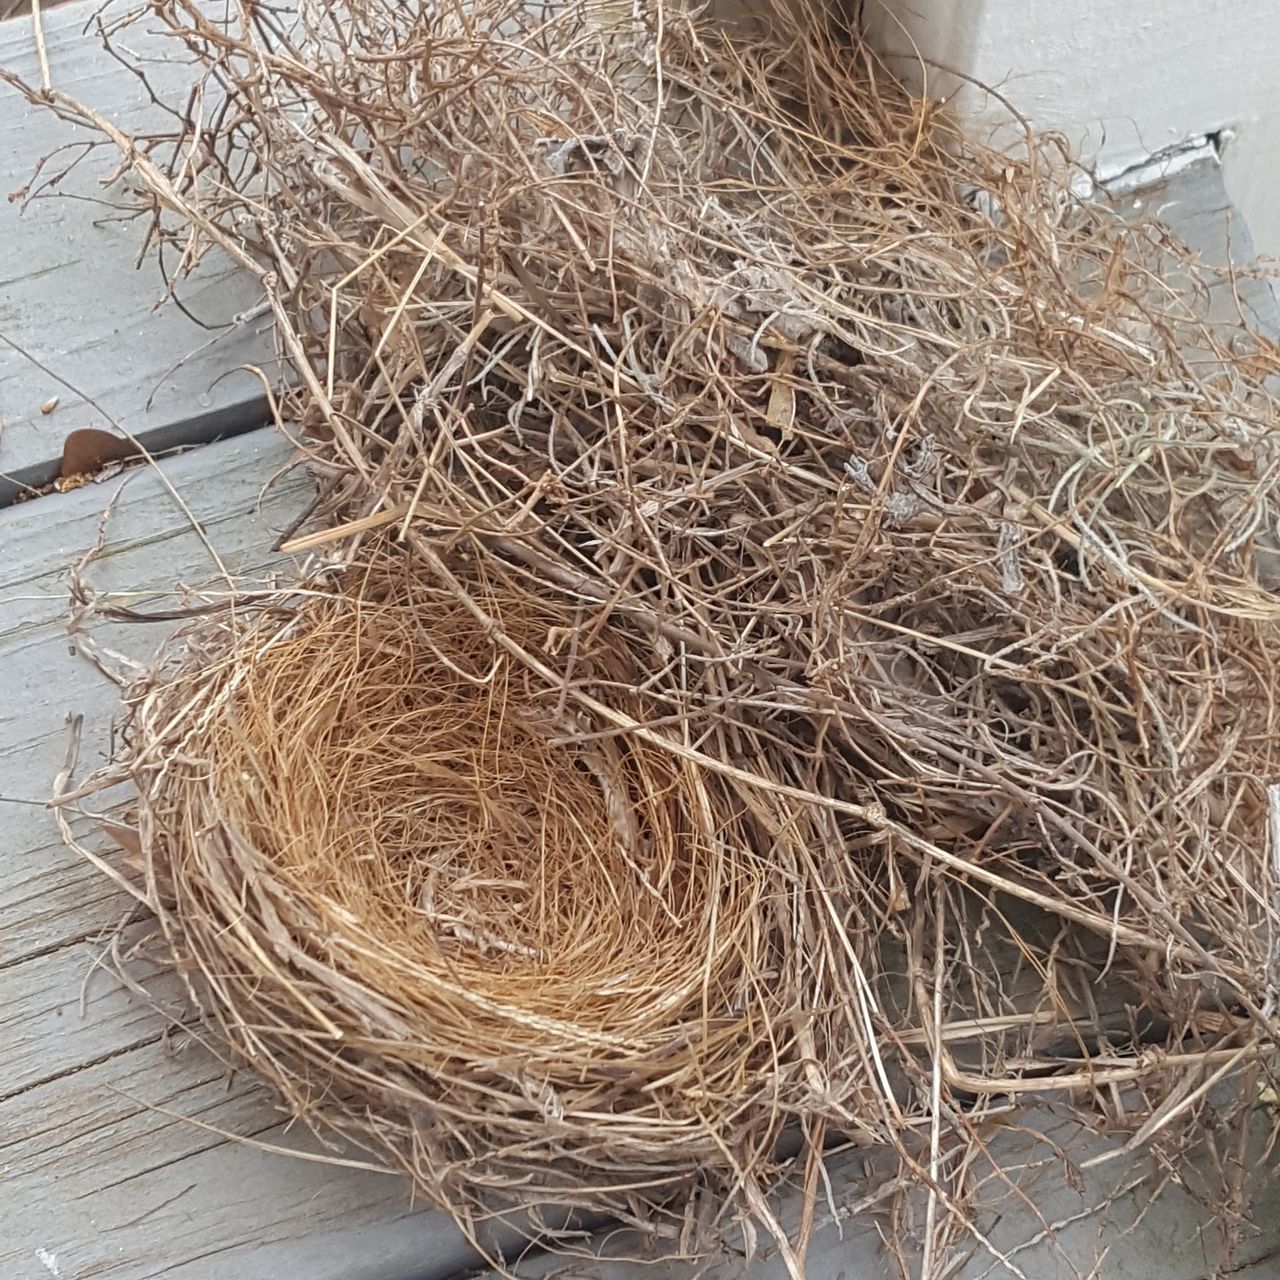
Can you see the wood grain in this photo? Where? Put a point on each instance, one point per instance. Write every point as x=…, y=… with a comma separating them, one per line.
x=91, y=1173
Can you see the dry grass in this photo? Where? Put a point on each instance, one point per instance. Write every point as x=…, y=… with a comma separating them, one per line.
x=914, y=495
x=541, y=963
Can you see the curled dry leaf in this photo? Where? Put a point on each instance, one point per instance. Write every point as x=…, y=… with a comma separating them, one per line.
x=89, y=449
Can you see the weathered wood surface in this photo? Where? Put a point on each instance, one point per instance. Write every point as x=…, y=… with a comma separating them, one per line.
x=71, y=296
x=1193, y=201
x=94, y=1180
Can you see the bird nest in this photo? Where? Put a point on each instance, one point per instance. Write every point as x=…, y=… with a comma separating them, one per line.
x=781, y=543
x=519, y=943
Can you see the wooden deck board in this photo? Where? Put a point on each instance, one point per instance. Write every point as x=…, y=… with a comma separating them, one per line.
x=90, y=1172
x=95, y=1175
x=71, y=296
x=113, y=1187
x=1194, y=203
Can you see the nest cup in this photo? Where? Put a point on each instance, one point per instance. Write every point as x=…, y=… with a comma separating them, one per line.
x=528, y=956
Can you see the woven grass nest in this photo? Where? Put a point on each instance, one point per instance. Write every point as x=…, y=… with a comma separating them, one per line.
x=542, y=960
x=768, y=549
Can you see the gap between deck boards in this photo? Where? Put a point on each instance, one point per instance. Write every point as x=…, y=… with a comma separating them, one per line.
x=32, y=483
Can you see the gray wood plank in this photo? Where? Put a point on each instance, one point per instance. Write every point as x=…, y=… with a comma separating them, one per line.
x=1193, y=201
x=111, y=1186
x=93, y=1178
x=70, y=295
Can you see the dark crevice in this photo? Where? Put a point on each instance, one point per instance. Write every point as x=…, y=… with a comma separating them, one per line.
x=29, y=483
x=1166, y=155
x=83, y=1065
x=211, y=1142
x=52, y=948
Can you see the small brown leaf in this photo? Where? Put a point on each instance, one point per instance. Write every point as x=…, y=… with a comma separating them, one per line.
x=49, y=405
x=89, y=450
x=126, y=837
